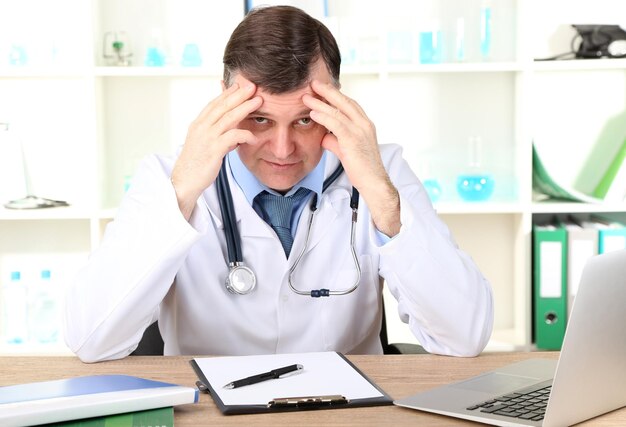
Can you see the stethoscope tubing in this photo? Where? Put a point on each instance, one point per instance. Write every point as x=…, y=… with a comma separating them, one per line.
x=233, y=238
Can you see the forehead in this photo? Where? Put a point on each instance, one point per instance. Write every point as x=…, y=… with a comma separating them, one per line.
x=290, y=103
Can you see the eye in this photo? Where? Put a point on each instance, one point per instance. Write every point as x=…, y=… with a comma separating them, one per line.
x=305, y=121
x=259, y=120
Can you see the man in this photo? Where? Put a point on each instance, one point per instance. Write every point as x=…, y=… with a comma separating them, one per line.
x=280, y=124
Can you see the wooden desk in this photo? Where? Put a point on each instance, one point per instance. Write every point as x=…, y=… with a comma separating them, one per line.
x=400, y=376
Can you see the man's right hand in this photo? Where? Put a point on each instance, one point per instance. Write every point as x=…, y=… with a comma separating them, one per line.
x=211, y=136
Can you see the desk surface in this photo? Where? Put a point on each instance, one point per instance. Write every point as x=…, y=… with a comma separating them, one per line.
x=399, y=376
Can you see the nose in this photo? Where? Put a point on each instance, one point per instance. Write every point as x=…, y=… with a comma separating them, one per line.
x=282, y=143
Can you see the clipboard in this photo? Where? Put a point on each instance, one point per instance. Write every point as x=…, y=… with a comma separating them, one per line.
x=328, y=381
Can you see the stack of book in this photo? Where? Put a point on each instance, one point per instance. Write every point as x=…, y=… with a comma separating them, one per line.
x=95, y=400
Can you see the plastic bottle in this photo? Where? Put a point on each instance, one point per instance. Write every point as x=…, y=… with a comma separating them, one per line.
x=431, y=183
x=485, y=29
x=431, y=44
x=43, y=312
x=155, y=55
x=14, y=299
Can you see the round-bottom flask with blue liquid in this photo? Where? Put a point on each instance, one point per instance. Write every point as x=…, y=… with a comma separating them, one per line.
x=433, y=189
x=475, y=187
x=475, y=184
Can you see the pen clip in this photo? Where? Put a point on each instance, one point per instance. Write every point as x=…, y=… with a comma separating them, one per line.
x=307, y=401
x=298, y=370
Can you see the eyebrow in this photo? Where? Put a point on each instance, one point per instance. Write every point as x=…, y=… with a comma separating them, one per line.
x=302, y=113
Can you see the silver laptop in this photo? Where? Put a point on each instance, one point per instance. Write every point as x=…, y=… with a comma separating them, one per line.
x=588, y=380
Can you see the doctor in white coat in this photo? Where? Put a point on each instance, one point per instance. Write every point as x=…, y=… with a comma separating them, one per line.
x=280, y=124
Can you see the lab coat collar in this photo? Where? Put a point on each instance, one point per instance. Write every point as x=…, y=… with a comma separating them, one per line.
x=251, y=225
x=251, y=186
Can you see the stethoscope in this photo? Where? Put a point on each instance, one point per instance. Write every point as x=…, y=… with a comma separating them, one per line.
x=241, y=279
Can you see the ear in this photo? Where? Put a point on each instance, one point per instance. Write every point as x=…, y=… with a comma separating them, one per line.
x=223, y=85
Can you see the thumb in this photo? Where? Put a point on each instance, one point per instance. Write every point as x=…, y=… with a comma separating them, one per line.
x=330, y=143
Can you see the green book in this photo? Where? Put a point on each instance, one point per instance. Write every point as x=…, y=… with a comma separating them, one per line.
x=159, y=417
x=607, y=179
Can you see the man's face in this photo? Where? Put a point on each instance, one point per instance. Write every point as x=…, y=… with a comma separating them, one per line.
x=289, y=141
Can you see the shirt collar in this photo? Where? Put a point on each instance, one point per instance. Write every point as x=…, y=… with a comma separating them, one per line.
x=251, y=186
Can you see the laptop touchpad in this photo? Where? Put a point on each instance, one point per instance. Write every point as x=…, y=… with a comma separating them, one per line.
x=496, y=383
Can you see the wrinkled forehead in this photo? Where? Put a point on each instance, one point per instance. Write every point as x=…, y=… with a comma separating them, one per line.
x=318, y=71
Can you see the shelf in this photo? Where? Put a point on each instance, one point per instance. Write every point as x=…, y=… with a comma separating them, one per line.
x=580, y=64
x=168, y=71
x=461, y=208
x=61, y=212
x=460, y=67
x=572, y=207
x=61, y=72
x=73, y=71
x=95, y=123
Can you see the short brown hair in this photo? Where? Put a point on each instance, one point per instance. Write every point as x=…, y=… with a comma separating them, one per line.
x=275, y=47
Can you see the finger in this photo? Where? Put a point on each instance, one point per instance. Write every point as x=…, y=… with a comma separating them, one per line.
x=330, y=143
x=230, y=119
x=326, y=115
x=234, y=138
x=223, y=95
x=339, y=100
x=226, y=101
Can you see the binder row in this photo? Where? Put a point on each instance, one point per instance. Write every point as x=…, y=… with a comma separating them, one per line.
x=560, y=250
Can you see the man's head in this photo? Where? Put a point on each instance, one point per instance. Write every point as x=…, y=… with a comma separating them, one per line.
x=281, y=50
x=275, y=48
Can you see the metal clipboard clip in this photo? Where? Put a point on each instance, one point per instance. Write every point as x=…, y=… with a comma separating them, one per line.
x=307, y=401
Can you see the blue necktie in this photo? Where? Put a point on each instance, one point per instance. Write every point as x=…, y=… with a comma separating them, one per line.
x=278, y=211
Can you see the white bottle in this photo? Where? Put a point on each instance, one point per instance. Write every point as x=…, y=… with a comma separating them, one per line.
x=43, y=310
x=14, y=301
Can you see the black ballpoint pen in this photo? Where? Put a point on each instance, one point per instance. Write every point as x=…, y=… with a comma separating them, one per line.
x=271, y=375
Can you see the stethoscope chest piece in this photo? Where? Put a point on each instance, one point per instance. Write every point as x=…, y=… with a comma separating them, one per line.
x=240, y=280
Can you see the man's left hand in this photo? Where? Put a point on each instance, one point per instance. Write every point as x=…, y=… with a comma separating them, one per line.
x=352, y=138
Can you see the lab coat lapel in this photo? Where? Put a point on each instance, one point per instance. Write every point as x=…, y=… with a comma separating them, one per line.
x=249, y=223
x=328, y=212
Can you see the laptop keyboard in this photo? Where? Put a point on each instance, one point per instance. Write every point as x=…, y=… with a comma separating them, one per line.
x=526, y=404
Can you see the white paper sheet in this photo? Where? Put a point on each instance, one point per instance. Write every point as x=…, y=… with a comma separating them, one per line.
x=324, y=373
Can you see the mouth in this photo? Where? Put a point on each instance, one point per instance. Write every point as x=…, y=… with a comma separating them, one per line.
x=280, y=166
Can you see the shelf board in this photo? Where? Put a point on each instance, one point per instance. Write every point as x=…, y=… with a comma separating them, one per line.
x=452, y=67
x=455, y=67
x=573, y=207
x=66, y=71
x=168, y=71
x=462, y=208
x=580, y=64
x=61, y=212
x=49, y=72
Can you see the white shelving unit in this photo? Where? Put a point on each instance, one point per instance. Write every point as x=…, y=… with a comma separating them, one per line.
x=85, y=124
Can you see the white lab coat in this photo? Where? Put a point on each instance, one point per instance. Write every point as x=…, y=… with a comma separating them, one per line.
x=152, y=264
